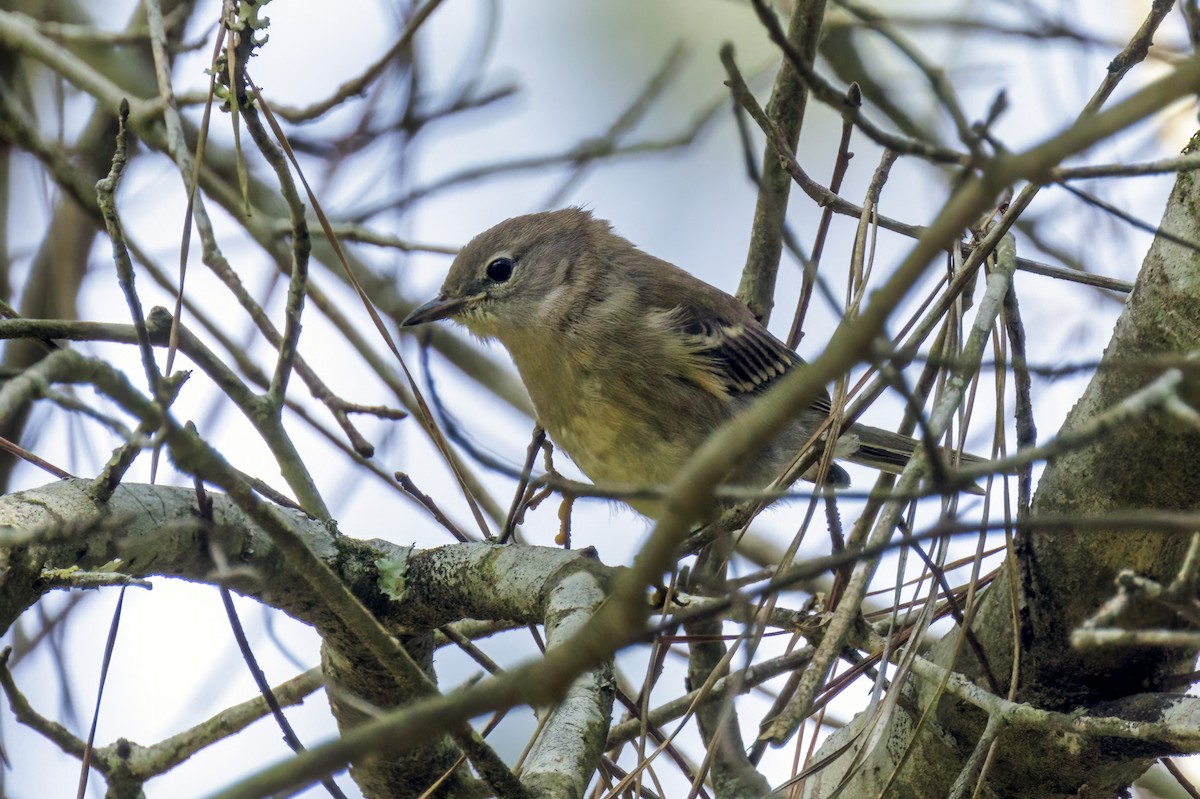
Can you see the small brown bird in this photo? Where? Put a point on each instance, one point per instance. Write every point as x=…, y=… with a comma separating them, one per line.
x=631, y=362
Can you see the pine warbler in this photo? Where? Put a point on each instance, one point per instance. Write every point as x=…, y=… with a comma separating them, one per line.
x=630, y=361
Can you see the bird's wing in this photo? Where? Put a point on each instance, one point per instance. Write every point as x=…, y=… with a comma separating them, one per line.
x=736, y=357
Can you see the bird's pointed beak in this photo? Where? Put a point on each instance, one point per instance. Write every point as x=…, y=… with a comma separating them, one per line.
x=435, y=309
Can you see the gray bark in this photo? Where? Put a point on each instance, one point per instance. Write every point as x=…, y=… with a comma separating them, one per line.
x=1067, y=572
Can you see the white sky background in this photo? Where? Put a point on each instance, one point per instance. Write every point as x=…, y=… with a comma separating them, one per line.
x=577, y=65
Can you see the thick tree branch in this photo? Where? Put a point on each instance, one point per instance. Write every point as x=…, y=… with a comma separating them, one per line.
x=1068, y=572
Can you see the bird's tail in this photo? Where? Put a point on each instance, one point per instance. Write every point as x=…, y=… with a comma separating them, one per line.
x=887, y=451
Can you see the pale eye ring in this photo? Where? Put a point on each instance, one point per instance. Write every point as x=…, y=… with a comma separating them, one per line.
x=500, y=269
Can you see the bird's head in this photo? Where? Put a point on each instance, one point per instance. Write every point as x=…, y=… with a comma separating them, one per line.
x=517, y=274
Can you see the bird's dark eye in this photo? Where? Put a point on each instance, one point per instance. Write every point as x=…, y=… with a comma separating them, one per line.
x=501, y=269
